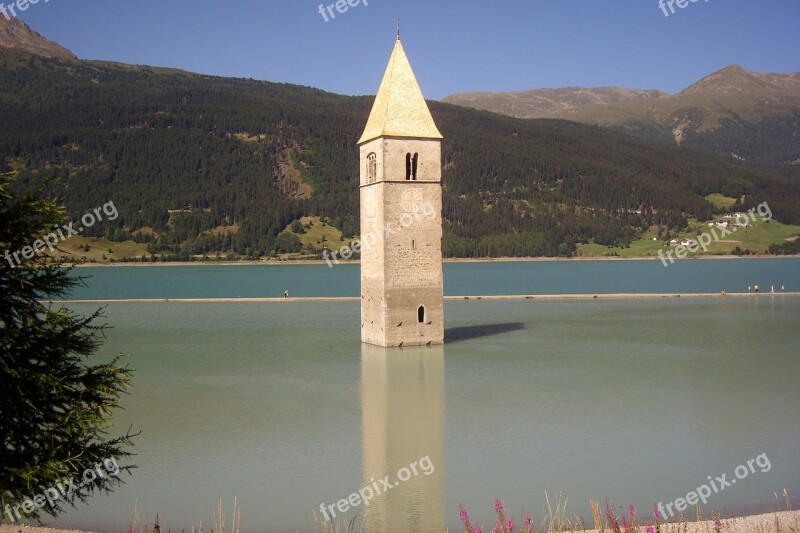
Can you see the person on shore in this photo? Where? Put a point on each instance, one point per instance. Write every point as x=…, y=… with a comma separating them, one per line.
x=748, y=289
x=286, y=293
x=772, y=289
x=782, y=289
x=756, y=287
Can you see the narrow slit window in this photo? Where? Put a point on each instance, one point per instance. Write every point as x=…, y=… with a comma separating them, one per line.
x=372, y=167
x=414, y=167
x=408, y=166
x=421, y=314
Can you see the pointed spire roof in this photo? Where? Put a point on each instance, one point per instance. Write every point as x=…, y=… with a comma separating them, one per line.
x=399, y=109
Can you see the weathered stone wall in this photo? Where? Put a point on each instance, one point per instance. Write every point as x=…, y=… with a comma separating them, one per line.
x=401, y=244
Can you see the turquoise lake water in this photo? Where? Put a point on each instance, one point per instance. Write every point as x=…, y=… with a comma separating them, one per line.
x=514, y=277
x=280, y=406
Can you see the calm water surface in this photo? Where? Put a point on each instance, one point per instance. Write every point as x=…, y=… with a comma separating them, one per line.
x=515, y=277
x=280, y=406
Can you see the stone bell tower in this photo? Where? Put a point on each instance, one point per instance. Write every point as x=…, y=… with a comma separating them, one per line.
x=402, y=301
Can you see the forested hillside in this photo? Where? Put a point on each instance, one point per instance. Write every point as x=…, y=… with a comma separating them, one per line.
x=770, y=140
x=203, y=165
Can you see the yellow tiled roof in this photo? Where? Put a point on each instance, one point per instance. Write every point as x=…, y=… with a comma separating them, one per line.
x=399, y=109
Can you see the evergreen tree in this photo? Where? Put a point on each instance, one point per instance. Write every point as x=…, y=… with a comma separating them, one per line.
x=288, y=243
x=54, y=407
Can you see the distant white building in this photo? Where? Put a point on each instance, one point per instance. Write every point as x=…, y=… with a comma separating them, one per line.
x=689, y=243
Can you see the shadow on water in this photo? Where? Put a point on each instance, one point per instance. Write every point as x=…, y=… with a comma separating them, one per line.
x=464, y=333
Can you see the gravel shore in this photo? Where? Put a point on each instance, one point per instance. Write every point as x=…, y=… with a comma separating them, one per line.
x=783, y=521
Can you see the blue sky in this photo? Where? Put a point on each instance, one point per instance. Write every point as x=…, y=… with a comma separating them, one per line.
x=454, y=46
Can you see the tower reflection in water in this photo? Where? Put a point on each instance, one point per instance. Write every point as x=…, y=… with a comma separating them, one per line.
x=402, y=422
